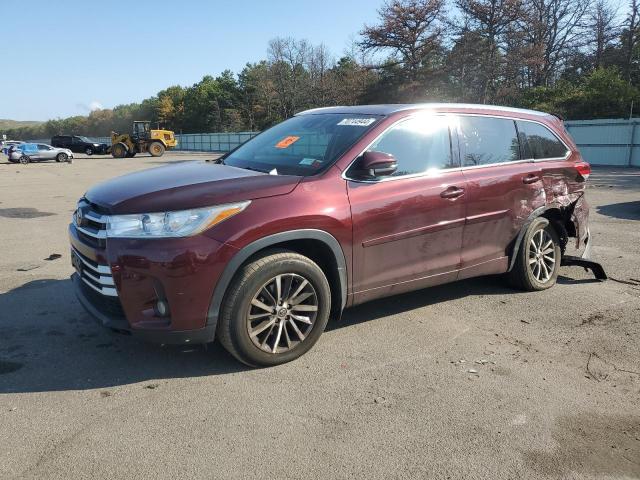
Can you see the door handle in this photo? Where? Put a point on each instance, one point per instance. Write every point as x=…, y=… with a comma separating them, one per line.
x=452, y=192
x=530, y=179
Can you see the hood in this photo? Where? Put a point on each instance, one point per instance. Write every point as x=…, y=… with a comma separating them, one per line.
x=186, y=185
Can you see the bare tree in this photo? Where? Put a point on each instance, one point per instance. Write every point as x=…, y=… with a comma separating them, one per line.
x=552, y=29
x=410, y=29
x=318, y=64
x=630, y=35
x=603, y=29
x=288, y=58
x=491, y=19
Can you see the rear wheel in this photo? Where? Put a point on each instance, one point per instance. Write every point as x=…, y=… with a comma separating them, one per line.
x=24, y=159
x=62, y=157
x=538, y=259
x=119, y=150
x=275, y=310
x=156, y=149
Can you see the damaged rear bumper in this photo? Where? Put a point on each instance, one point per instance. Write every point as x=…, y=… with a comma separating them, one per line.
x=585, y=260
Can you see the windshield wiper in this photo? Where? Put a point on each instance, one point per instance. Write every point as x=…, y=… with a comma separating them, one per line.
x=255, y=169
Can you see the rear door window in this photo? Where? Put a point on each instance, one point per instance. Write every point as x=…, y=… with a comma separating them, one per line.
x=488, y=140
x=539, y=142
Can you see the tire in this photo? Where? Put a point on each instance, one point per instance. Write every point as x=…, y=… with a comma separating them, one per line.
x=156, y=149
x=88, y=151
x=24, y=159
x=532, y=270
x=250, y=288
x=119, y=150
x=62, y=157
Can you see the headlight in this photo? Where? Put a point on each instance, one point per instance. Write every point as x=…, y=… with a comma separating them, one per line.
x=183, y=223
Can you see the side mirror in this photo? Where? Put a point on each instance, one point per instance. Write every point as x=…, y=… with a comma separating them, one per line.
x=377, y=164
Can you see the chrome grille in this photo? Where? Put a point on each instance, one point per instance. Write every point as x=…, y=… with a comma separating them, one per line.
x=96, y=276
x=89, y=222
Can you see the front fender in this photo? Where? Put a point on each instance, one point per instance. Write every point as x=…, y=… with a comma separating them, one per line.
x=246, y=252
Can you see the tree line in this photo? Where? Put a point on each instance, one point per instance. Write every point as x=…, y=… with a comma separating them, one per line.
x=575, y=58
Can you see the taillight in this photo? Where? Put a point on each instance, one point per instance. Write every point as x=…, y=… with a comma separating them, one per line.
x=584, y=169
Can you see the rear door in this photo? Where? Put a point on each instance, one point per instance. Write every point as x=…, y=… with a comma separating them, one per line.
x=503, y=188
x=407, y=228
x=64, y=141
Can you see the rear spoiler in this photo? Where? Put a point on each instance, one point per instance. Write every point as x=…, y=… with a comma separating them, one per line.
x=558, y=116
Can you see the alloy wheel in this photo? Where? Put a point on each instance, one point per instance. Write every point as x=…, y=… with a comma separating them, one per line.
x=282, y=313
x=542, y=256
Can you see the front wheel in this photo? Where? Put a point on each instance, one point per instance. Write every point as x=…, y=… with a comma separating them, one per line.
x=119, y=150
x=88, y=151
x=538, y=258
x=24, y=159
x=62, y=157
x=275, y=310
x=156, y=149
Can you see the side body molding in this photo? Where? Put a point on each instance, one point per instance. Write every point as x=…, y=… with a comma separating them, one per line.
x=249, y=250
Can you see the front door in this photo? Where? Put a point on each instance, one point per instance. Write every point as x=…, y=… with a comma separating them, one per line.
x=407, y=228
x=502, y=190
x=45, y=152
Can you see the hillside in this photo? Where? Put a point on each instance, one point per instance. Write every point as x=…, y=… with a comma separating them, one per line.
x=9, y=124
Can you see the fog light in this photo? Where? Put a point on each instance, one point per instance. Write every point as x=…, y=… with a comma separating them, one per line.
x=161, y=308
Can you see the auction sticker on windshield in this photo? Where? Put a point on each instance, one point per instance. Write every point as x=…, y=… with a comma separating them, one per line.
x=286, y=142
x=357, y=122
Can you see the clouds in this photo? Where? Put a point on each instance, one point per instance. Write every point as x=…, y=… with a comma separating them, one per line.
x=93, y=105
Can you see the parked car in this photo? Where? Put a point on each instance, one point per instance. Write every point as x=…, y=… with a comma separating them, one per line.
x=7, y=144
x=79, y=144
x=329, y=209
x=39, y=152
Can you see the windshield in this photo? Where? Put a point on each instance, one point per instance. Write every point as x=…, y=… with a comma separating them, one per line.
x=85, y=139
x=304, y=145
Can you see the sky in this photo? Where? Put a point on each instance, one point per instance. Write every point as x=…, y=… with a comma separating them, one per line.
x=66, y=57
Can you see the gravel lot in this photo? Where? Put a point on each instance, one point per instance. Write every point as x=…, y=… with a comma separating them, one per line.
x=470, y=380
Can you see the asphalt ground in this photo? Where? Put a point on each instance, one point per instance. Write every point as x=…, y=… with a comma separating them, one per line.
x=471, y=380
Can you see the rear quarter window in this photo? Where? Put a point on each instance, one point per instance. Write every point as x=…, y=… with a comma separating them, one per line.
x=539, y=143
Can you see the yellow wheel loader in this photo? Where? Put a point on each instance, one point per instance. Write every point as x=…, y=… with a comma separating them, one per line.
x=143, y=139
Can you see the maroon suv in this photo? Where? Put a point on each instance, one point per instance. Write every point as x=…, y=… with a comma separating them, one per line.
x=329, y=209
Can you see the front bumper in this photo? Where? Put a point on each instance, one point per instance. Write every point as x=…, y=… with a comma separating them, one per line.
x=119, y=323
x=123, y=279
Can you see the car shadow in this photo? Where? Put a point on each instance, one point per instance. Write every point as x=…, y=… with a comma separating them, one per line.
x=562, y=280
x=49, y=343
x=483, y=286
x=624, y=210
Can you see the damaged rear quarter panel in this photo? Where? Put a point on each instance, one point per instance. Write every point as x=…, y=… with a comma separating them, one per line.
x=565, y=191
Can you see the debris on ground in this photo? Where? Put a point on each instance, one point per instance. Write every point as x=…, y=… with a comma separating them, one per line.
x=53, y=256
x=28, y=268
